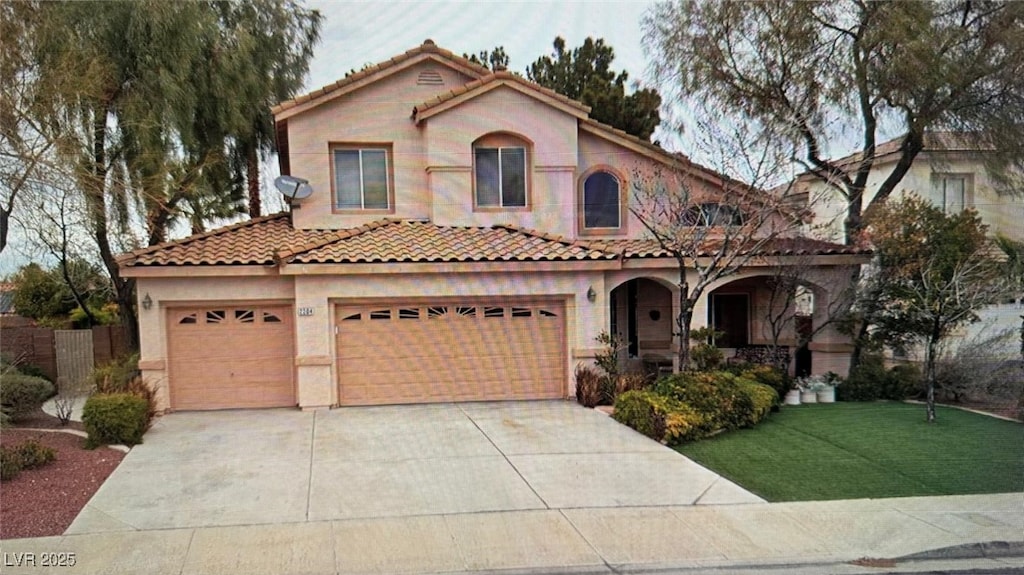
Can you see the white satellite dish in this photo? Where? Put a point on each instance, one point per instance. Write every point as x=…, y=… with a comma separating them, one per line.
x=293, y=188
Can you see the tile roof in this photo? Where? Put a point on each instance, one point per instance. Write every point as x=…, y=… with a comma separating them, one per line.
x=396, y=241
x=253, y=242
x=272, y=239
x=936, y=141
x=427, y=47
x=648, y=248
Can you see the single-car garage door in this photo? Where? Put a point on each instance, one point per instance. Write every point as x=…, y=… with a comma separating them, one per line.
x=231, y=356
x=451, y=351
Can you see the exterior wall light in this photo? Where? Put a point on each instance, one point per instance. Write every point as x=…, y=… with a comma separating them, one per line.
x=147, y=302
x=591, y=295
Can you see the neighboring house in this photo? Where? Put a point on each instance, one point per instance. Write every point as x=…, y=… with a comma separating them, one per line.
x=468, y=237
x=951, y=173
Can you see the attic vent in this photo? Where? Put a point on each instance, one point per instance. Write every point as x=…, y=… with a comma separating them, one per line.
x=430, y=78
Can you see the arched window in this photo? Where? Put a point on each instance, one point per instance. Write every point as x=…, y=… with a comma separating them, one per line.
x=713, y=214
x=602, y=206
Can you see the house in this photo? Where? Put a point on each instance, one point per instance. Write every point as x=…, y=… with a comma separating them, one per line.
x=467, y=238
x=951, y=173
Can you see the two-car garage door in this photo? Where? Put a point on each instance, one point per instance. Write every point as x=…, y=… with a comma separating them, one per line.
x=450, y=351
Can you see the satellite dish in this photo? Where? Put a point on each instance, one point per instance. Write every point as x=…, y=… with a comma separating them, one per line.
x=292, y=187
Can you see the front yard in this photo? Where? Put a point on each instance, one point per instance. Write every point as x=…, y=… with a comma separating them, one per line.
x=867, y=450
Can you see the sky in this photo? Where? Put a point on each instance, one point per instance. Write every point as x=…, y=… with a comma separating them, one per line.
x=357, y=33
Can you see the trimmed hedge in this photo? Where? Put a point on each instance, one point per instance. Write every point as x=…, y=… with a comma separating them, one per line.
x=725, y=401
x=22, y=394
x=658, y=417
x=118, y=418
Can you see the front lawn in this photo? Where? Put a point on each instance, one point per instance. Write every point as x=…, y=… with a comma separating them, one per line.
x=867, y=450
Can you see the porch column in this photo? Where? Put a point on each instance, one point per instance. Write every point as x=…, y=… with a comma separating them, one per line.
x=830, y=349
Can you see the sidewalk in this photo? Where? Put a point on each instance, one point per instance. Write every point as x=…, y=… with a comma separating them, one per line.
x=805, y=537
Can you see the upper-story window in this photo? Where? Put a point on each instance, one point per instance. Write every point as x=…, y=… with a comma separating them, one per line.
x=713, y=214
x=602, y=201
x=501, y=174
x=952, y=191
x=361, y=178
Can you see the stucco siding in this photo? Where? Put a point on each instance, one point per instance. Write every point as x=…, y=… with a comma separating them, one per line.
x=379, y=113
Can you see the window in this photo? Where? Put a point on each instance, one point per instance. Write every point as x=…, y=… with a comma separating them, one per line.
x=713, y=214
x=601, y=201
x=500, y=177
x=361, y=179
x=951, y=190
x=730, y=314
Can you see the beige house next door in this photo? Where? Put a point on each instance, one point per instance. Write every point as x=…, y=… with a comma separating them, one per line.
x=437, y=351
x=231, y=356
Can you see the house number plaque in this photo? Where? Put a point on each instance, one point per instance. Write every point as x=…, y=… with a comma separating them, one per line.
x=305, y=311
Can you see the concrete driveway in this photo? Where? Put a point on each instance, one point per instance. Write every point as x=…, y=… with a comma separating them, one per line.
x=284, y=466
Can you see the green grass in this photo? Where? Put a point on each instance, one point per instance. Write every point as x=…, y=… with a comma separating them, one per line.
x=862, y=450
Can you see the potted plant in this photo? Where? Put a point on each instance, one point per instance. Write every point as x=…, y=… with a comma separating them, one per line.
x=827, y=391
x=793, y=395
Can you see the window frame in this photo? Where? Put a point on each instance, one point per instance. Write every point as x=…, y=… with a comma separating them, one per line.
x=582, y=205
x=940, y=186
x=389, y=174
x=502, y=141
x=702, y=210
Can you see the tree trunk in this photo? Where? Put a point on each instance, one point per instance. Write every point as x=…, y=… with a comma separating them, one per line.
x=854, y=215
x=252, y=165
x=5, y=222
x=95, y=195
x=684, y=319
x=929, y=376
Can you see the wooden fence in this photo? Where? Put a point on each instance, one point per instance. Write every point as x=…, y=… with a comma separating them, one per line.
x=61, y=355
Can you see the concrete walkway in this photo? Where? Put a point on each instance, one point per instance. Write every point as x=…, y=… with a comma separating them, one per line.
x=809, y=537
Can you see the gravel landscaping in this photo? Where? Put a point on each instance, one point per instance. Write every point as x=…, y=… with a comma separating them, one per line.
x=44, y=501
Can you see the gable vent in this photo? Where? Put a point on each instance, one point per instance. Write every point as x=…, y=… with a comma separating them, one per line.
x=430, y=78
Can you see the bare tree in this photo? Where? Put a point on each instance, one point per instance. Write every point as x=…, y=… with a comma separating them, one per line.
x=713, y=229
x=826, y=75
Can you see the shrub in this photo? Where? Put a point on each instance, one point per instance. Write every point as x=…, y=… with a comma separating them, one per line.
x=870, y=381
x=981, y=369
x=773, y=377
x=22, y=394
x=588, y=386
x=34, y=454
x=117, y=375
x=715, y=395
x=706, y=356
x=903, y=381
x=762, y=397
x=658, y=417
x=120, y=418
x=631, y=381
x=10, y=463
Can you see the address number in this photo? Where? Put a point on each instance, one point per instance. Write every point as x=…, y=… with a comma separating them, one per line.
x=305, y=311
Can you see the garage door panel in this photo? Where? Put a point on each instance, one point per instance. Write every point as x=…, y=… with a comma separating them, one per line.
x=231, y=356
x=450, y=351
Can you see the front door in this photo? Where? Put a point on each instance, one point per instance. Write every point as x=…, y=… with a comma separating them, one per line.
x=730, y=313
